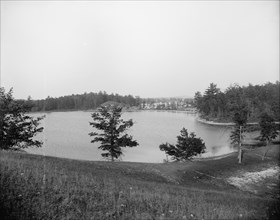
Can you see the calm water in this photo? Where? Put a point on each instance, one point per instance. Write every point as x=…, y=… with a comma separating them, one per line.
x=66, y=135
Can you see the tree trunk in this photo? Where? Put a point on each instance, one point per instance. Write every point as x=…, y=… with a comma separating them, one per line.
x=240, y=154
x=166, y=158
x=267, y=149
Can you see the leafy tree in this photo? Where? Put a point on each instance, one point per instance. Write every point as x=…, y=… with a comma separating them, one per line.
x=108, y=120
x=186, y=148
x=16, y=128
x=240, y=120
x=268, y=130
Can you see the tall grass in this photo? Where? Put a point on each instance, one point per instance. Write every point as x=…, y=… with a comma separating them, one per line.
x=34, y=187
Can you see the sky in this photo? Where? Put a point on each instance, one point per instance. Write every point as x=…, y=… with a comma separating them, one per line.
x=142, y=48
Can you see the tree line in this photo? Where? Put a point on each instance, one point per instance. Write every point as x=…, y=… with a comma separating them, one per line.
x=84, y=101
x=255, y=99
x=17, y=130
x=93, y=100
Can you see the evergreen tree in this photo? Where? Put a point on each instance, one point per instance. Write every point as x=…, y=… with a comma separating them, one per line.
x=210, y=98
x=16, y=128
x=197, y=99
x=108, y=120
x=186, y=148
x=240, y=120
x=268, y=130
x=214, y=104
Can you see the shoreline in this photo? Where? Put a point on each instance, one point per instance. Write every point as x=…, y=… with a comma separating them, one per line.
x=204, y=121
x=198, y=158
x=124, y=110
x=217, y=157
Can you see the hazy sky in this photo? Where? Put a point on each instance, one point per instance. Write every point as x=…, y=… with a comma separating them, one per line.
x=150, y=49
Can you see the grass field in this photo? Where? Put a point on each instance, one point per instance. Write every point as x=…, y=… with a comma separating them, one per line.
x=37, y=187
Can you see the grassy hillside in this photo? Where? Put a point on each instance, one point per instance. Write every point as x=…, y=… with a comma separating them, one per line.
x=37, y=187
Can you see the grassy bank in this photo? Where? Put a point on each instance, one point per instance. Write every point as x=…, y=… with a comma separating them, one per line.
x=37, y=187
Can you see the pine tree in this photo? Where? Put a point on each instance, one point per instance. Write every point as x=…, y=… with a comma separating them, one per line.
x=186, y=148
x=240, y=120
x=268, y=130
x=16, y=128
x=108, y=120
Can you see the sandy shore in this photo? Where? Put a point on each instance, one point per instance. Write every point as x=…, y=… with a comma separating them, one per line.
x=221, y=123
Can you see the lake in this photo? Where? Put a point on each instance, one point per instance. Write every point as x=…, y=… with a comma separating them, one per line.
x=66, y=135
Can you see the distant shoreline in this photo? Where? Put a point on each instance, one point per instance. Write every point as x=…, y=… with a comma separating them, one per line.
x=204, y=121
x=124, y=110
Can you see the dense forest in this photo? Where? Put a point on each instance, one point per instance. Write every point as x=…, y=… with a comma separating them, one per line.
x=219, y=106
x=81, y=102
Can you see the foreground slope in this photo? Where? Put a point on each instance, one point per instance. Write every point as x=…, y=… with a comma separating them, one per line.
x=37, y=187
